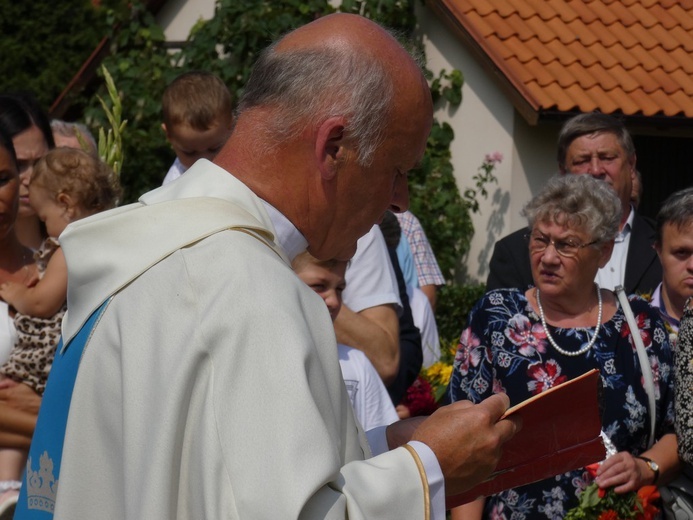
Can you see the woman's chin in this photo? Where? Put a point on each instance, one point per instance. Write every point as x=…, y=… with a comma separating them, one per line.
x=25, y=212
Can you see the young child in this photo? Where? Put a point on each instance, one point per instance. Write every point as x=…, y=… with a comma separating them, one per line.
x=369, y=398
x=67, y=184
x=197, y=109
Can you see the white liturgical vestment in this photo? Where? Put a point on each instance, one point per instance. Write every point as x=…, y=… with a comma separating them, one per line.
x=210, y=386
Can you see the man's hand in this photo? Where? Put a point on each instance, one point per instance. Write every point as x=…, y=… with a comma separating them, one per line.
x=467, y=439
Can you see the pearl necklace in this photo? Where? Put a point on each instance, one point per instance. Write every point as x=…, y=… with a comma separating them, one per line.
x=550, y=338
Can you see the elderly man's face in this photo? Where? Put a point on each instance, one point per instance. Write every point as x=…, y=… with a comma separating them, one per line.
x=676, y=254
x=602, y=156
x=362, y=194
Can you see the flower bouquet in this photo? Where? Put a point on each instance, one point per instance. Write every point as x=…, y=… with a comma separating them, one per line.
x=424, y=394
x=606, y=504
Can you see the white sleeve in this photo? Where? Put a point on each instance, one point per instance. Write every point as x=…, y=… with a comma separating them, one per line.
x=434, y=475
x=8, y=334
x=370, y=278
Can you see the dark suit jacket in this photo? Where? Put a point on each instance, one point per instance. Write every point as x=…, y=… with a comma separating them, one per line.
x=510, y=266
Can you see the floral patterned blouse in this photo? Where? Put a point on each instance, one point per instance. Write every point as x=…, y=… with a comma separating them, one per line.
x=505, y=349
x=684, y=384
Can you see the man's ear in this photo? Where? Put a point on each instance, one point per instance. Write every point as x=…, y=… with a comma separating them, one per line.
x=163, y=127
x=329, y=146
x=658, y=248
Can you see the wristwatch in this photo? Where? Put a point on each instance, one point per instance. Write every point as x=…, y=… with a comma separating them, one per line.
x=653, y=466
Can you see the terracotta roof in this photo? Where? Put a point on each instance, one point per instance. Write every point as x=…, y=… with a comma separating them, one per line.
x=630, y=57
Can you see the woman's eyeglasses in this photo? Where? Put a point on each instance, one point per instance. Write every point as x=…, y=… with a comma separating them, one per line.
x=566, y=248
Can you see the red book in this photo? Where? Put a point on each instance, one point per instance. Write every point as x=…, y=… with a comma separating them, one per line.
x=560, y=433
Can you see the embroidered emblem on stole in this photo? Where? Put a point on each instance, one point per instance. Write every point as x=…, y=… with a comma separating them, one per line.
x=40, y=484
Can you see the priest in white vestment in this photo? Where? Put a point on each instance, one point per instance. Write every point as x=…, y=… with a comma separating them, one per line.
x=198, y=376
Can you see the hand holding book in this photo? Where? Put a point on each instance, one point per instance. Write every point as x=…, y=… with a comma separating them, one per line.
x=560, y=432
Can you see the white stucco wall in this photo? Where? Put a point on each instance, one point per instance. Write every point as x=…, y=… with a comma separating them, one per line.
x=178, y=16
x=487, y=122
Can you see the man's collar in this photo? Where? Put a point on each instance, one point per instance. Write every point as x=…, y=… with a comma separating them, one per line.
x=288, y=235
x=627, y=227
x=658, y=303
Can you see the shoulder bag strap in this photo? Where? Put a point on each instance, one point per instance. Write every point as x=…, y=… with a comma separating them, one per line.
x=648, y=381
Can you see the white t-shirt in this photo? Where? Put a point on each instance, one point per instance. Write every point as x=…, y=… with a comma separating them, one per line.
x=370, y=278
x=425, y=321
x=8, y=334
x=372, y=404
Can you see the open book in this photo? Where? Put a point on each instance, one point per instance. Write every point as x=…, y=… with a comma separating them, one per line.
x=560, y=432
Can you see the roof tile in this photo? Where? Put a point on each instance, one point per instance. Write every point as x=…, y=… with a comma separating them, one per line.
x=586, y=14
x=634, y=13
x=683, y=37
x=629, y=56
x=683, y=60
x=678, y=13
x=626, y=58
x=628, y=36
x=664, y=16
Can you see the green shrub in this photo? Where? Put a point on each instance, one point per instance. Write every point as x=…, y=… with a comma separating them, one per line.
x=452, y=309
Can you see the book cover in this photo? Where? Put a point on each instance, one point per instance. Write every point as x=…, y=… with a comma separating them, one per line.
x=560, y=432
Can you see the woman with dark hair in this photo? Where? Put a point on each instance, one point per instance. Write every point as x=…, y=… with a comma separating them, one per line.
x=29, y=128
x=18, y=403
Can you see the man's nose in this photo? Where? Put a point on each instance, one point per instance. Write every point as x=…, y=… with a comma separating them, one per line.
x=595, y=167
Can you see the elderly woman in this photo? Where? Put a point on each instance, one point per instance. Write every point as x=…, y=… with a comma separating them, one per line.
x=523, y=343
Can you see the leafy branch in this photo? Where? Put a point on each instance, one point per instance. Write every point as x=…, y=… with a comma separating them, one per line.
x=111, y=143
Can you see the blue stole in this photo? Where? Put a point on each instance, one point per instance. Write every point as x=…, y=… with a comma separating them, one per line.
x=40, y=482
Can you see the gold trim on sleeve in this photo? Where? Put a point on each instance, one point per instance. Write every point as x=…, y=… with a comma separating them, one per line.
x=424, y=481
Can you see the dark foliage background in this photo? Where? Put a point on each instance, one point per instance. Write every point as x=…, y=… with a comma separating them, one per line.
x=43, y=43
